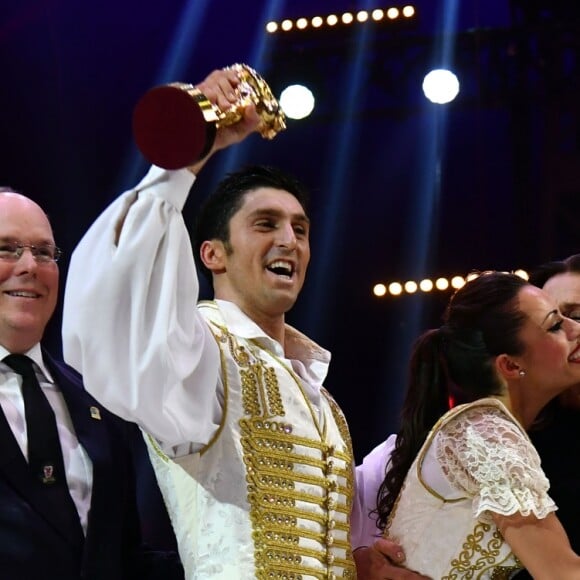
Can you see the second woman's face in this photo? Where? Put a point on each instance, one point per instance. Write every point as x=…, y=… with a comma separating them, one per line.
x=551, y=360
x=564, y=289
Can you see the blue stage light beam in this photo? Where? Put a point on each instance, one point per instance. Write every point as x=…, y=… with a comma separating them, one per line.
x=174, y=67
x=235, y=157
x=325, y=268
x=423, y=232
x=429, y=188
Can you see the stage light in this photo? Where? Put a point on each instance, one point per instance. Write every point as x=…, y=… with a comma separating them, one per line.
x=427, y=285
x=457, y=282
x=440, y=86
x=297, y=101
x=347, y=18
x=379, y=290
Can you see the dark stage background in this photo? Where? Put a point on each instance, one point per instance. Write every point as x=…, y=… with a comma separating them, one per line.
x=402, y=189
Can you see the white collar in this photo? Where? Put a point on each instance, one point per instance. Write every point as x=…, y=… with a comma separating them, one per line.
x=35, y=353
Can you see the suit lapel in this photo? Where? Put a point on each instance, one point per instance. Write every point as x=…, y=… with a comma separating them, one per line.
x=14, y=469
x=92, y=430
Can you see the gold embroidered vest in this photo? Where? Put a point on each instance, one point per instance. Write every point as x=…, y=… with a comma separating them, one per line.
x=270, y=496
x=440, y=535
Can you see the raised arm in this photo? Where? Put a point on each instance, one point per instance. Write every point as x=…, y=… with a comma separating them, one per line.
x=130, y=323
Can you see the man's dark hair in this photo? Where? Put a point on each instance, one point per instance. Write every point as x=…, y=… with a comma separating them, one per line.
x=213, y=219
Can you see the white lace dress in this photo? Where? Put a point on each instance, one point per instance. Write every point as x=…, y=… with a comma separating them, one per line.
x=476, y=460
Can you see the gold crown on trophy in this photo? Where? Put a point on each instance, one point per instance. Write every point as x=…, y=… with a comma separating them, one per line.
x=174, y=125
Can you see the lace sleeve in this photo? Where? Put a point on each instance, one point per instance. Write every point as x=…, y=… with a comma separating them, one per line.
x=485, y=454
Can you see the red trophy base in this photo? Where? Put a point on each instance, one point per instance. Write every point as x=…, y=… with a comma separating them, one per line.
x=170, y=128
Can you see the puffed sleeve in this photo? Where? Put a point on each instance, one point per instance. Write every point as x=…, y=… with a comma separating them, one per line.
x=484, y=452
x=130, y=322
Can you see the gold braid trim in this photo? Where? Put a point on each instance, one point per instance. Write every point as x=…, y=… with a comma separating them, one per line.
x=271, y=453
x=476, y=558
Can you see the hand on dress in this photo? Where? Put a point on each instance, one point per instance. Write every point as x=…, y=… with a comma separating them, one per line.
x=383, y=561
x=220, y=88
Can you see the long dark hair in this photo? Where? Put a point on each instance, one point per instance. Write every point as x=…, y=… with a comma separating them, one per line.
x=454, y=362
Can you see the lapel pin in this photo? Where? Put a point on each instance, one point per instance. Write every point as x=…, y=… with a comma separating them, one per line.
x=95, y=413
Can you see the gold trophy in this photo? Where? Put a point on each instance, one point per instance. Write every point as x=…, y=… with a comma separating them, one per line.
x=175, y=125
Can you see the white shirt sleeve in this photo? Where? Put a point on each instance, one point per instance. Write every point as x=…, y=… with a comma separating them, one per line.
x=369, y=476
x=130, y=322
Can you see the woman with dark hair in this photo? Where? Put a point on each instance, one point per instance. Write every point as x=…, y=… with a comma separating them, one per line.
x=465, y=494
x=556, y=432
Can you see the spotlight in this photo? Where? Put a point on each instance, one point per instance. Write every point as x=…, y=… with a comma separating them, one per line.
x=457, y=282
x=297, y=101
x=301, y=23
x=426, y=285
x=347, y=18
x=379, y=290
x=440, y=86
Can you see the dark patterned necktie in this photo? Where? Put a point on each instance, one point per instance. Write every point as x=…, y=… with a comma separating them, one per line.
x=44, y=451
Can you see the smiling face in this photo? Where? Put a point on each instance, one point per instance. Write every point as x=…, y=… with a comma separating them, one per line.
x=551, y=359
x=28, y=290
x=564, y=289
x=263, y=265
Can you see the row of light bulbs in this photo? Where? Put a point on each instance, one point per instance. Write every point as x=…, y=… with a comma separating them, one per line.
x=428, y=285
x=376, y=15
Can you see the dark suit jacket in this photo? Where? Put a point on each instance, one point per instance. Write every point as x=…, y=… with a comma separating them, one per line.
x=33, y=543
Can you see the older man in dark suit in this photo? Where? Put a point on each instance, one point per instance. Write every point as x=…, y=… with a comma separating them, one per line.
x=67, y=487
